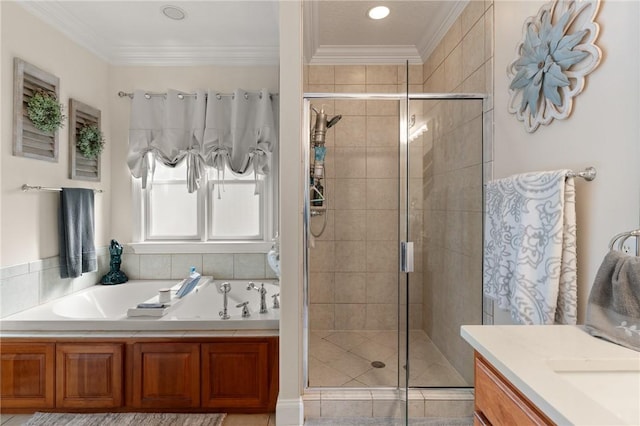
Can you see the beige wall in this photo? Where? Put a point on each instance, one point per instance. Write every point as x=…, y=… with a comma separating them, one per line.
x=453, y=175
x=602, y=131
x=29, y=220
x=159, y=79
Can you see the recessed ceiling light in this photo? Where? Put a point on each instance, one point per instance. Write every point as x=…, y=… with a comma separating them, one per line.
x=378, y=12
x=173, y=12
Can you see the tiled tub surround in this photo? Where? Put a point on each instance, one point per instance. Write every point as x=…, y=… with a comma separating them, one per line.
x=227, y=266
x=104, y=308
x=34, y=283
x=30, y=284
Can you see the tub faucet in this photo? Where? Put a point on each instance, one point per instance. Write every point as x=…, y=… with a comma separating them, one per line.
x=225, y=288
x=245, y=309
x=263, y=295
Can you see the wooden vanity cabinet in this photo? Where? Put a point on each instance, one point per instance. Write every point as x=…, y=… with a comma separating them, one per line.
x=89, y=375
x=27, y=375
x=498, y=402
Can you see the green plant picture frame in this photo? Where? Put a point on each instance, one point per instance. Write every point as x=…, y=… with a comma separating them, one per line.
x=29, y=140
x=84, y=157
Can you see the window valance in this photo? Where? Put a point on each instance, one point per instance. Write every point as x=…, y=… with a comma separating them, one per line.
x=203, y=129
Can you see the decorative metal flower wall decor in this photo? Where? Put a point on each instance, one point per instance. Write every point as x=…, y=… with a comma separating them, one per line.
x=556, y=53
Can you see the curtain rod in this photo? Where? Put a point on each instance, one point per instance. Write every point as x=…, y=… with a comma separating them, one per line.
x=27, y=187
x=183, y=95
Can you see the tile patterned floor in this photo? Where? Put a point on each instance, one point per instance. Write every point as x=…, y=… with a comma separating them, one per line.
x=343, y=359
x=230, y=420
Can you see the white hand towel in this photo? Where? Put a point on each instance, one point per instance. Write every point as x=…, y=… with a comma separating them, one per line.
x=530, y=247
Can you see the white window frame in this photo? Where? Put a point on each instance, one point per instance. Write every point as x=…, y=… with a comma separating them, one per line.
x=141, y=244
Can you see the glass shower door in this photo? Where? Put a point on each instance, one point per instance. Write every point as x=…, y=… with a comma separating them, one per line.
x=405, y=259
x=444, y=222
x=356, y=329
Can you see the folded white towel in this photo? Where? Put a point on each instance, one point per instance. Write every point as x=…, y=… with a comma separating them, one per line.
x=530, y=247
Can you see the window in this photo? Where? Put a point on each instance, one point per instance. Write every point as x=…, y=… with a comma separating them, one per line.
x=227, y=207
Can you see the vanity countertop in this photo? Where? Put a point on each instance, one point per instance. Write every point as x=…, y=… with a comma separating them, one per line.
x=570, y=376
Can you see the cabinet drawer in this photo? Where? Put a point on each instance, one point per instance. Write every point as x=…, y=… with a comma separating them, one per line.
x=499, y=402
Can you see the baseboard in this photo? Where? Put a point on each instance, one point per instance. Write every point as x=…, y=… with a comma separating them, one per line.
x=289, y=412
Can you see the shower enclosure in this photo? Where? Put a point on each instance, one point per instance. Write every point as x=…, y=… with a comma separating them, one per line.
x=394, y=244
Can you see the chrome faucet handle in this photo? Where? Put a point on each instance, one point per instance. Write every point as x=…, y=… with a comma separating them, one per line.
x=245, y=309
x=276, y=301
x=263, y=295
x=224, y=288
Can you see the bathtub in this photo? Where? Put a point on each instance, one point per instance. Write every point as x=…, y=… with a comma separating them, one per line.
x=104, y=308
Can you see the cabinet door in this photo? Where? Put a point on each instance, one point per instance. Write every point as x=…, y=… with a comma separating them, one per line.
x=89, y=376
x=498, y=402
x=237, y=375
x=166, y=375
x=27, y=375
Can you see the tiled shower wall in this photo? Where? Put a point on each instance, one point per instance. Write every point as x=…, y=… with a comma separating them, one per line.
x=456, y=162
x=353, y=264
x=34, y=283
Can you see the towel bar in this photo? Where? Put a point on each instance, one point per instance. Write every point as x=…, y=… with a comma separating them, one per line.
x=622, y=237
x=587, y=174
x=27, y=187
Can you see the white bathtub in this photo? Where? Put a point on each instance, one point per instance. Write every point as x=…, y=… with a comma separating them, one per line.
x=104, y=308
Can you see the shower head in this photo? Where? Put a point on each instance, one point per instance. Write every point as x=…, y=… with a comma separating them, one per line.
x=322, y=125
x=334, y=120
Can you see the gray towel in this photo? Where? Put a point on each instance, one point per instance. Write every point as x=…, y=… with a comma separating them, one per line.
x=613, y=310
x=76, y=232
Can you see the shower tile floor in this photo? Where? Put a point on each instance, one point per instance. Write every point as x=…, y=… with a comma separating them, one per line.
x=343, y=359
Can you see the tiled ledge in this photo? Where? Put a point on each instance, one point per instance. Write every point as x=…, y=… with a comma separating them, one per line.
x=33, y=283
x=386, y=403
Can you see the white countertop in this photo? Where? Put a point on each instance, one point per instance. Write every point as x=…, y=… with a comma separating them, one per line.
x=570, y=376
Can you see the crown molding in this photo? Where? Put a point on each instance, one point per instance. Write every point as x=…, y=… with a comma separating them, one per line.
x=195, y=55
x=431, y=38
x=359, y=55
x=56, y=15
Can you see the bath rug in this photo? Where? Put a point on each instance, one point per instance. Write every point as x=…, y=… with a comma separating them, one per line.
x=388, y=421
x=125, y=419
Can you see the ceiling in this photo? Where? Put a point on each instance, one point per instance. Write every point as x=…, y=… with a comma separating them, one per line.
x=241, y=32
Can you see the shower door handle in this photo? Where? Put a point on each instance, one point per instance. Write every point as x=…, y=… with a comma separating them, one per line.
x=406, y=256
